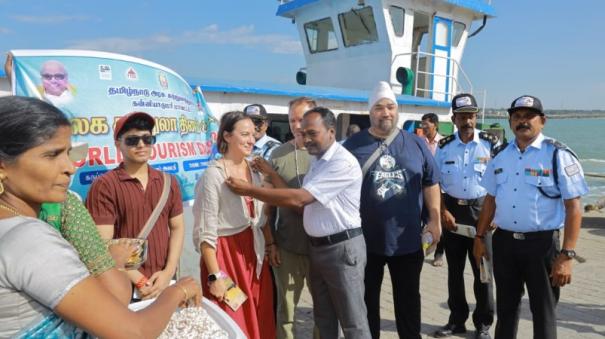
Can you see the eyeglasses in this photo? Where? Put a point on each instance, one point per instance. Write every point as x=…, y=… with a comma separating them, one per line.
x=58, y=76
x=133, y=140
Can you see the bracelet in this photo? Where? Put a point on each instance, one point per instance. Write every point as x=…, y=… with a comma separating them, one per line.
x=480, y=236
x=141, y=282
x=184, y=291
x=270, y=244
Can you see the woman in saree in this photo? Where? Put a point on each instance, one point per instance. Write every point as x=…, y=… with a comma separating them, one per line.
x=45, y=290
x=227, y=231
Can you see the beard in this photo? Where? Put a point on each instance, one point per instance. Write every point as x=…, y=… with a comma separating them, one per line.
x=385, y=126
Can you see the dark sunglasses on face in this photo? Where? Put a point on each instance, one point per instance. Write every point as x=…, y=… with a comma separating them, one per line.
x=58, y=76
x=134, y=140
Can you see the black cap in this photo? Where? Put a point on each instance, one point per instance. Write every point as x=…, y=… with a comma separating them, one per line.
x=526, y=101
x=464, y=103
x=256, y=111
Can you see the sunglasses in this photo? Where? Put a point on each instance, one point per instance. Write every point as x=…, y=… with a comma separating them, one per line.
x=134, y=140
x=58, y=76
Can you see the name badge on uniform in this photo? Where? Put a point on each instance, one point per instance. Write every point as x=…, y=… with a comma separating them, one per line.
x=537, y=172
x=450, y=162
x=498, y=170
x=481, y=160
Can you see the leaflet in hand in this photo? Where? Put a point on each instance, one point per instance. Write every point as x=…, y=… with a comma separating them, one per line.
x=465, y=230
x=485, y=270
x=234, y=296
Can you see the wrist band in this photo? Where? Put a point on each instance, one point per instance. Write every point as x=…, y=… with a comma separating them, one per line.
x=480, y=236
x=184, y=291
x=141, y=282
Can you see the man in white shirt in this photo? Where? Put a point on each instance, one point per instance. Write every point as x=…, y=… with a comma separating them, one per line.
x=264, y=144
x=430, y=130
x=330, y=198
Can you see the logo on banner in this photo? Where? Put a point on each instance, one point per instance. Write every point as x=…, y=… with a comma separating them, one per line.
x=105, y=72
x=131, y=74
x=163, y=80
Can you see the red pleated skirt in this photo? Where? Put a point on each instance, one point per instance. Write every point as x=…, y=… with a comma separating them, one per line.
x=236, y=257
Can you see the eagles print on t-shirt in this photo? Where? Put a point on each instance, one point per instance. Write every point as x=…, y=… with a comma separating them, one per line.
x=392, y=190
x=389, y=179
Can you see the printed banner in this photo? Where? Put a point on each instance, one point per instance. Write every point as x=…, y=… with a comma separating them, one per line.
x=94, y=89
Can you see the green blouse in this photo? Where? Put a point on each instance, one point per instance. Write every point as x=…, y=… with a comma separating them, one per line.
x=72, y=220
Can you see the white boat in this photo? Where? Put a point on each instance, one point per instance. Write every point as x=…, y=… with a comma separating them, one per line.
x=350, y=45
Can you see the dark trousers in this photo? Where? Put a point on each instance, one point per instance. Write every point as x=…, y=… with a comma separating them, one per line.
x=529, y=262
x=457, y=249
x=405, y=279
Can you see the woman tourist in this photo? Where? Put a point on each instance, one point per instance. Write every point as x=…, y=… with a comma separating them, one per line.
x=227, y=232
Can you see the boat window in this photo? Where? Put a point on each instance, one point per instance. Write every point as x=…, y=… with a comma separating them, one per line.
x=397, y=15
x=321, y=36
x=358, y=26
x=457, y=33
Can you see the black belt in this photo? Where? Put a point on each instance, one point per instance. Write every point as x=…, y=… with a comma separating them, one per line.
x=465, y=202
x=336, y=237
x=529, y=235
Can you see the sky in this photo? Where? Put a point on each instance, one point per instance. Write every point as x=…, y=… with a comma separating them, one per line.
x=551, y=49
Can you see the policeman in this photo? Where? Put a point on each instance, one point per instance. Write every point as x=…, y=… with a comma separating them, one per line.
x=534, y=185
x=462, y=159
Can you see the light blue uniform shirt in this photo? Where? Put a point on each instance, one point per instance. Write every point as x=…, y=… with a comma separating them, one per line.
x=462, y=166
x=265, y=146
x=514, y=178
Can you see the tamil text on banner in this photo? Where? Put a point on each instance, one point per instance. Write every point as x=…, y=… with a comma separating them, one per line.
x=94, y=89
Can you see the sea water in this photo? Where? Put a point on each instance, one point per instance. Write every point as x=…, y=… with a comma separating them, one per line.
x=586, y=137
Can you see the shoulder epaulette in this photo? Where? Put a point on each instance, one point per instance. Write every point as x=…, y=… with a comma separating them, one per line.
x=560, y=146
x=499, y=149
x=446, y=140
x=492, y=139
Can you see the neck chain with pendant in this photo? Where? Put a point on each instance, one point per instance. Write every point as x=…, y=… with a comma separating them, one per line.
x=9, y=209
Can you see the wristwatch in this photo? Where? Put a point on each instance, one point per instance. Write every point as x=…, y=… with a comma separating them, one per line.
x=215, y=276
x=569, y=253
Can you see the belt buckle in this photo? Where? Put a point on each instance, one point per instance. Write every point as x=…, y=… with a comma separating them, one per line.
x=518, y=236
x=462, y=202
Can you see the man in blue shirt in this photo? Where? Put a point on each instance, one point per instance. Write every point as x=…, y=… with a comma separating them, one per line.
x=264, y=145
x=462, y=158
x=395, y=184
x=534, y=185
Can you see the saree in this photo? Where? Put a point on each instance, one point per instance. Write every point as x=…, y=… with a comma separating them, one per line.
x=72, y=220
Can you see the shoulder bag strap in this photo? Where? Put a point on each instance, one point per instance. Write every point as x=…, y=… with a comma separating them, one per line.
x=374, y=156
x=158, y=208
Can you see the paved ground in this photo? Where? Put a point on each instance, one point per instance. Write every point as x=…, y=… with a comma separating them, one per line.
x=581, y=310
